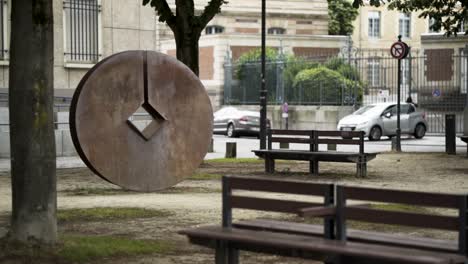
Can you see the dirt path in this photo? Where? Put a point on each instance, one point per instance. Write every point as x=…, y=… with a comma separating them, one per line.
x=198, y=202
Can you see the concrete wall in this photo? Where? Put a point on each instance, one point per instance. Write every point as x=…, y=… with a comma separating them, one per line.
x=63, y=142
x=305, y=117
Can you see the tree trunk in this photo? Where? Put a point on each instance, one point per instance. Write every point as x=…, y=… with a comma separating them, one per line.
x=187, y=50
x=32, y=137
x=187, y=33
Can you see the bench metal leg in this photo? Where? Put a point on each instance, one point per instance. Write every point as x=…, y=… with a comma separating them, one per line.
x=220, y=253
x=361, y=167
x=314, y=167
x=269, y=165
x=233, y=256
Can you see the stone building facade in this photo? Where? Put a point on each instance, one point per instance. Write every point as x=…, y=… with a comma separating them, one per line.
x=87, y=31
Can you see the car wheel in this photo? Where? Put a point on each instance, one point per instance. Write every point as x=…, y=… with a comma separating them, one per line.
x=375, y=133
x=230, y=131
x=419, y=131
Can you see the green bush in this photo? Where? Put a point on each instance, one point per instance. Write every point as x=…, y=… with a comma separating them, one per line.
x=323, y=85
x=340, y=65
x=249, y=72
x=293, y=66
x=319, y=84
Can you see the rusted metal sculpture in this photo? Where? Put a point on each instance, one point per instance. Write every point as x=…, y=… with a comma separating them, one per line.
x=142, y=158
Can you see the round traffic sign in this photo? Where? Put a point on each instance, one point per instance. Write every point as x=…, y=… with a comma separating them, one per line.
x=436, y=93
x=399, y=50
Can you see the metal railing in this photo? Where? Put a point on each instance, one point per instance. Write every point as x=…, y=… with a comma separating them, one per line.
x=242, y=81
x=437, y=80
x=82, y=30
x=3, y=28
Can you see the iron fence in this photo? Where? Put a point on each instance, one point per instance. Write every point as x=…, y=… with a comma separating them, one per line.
x=435, y=79
x=3, y=28
x=82, y=30
x=321, y=87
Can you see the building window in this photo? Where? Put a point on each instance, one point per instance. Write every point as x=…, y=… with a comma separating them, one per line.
x=373, y=72
x=210, y=30
x=374, y=24
x=82, y=29
x=431, y=23
x=463, y=26
x=405, y=25
x=4, y=30
x=276, y=31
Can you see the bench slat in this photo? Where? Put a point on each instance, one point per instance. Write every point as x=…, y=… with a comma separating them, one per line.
x=317, y=211
x=337, y=133
x=278, y=186
x=291, y=132
x=297, y=245
x=405, y=197
x=339, y=141
x=291, y=140
x=330, y=156
x=402, y=218
x=266, y=204
x=447, y=246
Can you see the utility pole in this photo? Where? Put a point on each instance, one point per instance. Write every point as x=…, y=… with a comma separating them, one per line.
x=263, y=91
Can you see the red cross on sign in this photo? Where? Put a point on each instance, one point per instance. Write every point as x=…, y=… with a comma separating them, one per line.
x=399, y=50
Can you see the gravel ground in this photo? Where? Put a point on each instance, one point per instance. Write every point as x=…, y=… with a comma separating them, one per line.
x=194, y=203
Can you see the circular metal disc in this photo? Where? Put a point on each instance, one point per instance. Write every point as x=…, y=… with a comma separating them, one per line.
x=133, y=154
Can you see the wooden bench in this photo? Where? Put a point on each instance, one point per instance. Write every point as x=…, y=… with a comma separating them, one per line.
x=444, y=251
x=227, y=240
x=322, y=242
x=314, y=138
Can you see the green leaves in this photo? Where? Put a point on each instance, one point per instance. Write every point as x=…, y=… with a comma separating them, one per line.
x=342, y=14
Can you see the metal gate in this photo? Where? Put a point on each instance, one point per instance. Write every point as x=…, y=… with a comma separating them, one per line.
x=436, y=80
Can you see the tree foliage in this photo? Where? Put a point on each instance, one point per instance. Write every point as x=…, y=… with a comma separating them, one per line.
x=342, y=14
x=448, y=15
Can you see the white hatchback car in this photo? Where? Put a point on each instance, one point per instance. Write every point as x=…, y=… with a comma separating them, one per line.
x=380, y=119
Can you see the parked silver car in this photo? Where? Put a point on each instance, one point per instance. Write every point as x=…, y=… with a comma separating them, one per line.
x=380, y=119
x=234, y=122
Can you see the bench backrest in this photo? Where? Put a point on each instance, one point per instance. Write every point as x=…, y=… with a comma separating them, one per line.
x=341, y=138
x=291, y=136
x=254, y=201
x=345, y=211
x=316, y=137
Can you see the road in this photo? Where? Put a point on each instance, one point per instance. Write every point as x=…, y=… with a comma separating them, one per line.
x=245, y=145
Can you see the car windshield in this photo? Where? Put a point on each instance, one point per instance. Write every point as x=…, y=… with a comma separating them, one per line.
x=364, y=110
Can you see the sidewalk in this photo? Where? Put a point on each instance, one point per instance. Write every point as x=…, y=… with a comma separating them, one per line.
x=427, y=144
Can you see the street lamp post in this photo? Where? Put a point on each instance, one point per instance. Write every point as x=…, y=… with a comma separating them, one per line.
x=263, y=91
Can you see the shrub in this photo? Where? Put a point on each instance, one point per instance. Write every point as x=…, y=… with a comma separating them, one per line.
x=323, y=85
x=249, y=72
x=293, y=66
